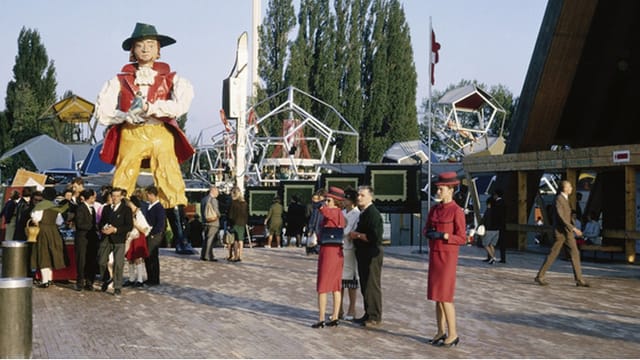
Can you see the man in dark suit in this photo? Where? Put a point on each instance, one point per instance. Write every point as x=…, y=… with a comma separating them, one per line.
x=157, y=219
x=564, y=237
x=367, y=239
x=116, y=222
x=86, y=241
x=23, y=214
x=499, y=213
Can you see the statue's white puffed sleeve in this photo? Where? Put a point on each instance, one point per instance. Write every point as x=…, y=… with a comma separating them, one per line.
x=107, y=111
x=180, y=101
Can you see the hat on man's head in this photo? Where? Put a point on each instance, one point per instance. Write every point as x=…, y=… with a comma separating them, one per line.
x=335, y=193
x=145, y=30
x=448, y=178
x=350, y=194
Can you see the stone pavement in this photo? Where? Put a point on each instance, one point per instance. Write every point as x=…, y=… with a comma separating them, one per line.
x=263, y=308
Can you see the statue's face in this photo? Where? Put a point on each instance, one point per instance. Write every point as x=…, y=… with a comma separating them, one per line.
x=146, y=51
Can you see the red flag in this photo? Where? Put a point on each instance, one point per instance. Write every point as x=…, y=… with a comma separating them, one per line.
x=435, y=46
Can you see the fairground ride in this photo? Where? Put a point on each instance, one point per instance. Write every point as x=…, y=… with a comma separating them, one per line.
x=286, y=142
x=471, y=122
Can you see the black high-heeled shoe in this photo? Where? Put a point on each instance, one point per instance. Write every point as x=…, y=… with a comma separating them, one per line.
x=435, y=341
x=333, y=322
x=453, y=343
x=319, y=324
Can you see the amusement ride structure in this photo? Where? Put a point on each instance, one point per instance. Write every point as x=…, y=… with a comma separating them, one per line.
x=471, y=122
x=284, y=143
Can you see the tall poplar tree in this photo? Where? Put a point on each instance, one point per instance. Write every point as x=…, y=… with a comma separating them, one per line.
x=400, y=122
x=299, y=69
x=323, y=68
x=376, y=105
x=272, y=54
x=351, y=89
x=31, y=92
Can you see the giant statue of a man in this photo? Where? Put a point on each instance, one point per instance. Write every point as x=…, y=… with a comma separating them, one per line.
x=140, y=106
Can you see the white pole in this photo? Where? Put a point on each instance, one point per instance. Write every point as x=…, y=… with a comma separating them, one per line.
x=429, y=113
x=254, y=48
x=241, y=124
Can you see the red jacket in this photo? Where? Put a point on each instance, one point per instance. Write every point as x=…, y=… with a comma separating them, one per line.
x=446, y=218
x=160, y=90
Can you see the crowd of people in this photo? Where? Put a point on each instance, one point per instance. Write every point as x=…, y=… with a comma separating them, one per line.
x=113, y=228
x=107, y=229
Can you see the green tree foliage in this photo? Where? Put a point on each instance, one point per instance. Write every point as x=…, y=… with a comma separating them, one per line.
x=273, y=54
x=352, y=54
x=4, y=131
x=323, y=68
x=376, y=84
x=350, y=21
x=299, y=69
x=32, y=91
x=390, y=110
x=401, y=118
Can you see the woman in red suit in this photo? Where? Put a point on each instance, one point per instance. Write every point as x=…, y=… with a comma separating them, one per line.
x=331, y=259
x=445, y=229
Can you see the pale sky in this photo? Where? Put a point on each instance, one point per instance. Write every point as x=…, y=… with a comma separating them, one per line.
x=488, y=40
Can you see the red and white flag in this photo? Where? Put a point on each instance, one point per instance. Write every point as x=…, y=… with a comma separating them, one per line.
x=434, y=57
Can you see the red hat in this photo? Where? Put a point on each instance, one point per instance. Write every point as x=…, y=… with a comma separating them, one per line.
x=335, y=193
x=447, y=178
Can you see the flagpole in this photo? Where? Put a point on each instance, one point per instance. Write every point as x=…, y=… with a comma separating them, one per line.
x=429, y=116
x=429, y=112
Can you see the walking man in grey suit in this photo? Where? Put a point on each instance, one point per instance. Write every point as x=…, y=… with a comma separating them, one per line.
x=564, y=236
x=211, y=214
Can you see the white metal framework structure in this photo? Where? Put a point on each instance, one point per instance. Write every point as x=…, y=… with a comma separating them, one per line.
x=286, y=143
x=473, y=123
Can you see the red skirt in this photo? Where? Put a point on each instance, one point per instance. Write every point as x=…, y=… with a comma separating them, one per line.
x=138, y=248
x=330, y=263
x=442, y=275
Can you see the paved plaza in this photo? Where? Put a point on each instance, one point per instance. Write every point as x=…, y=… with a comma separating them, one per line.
x=263, y=307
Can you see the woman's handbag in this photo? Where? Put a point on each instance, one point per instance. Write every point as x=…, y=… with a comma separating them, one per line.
x=331, y=236
x=32, y=230
x=311, y=240
x=210, y=213
x=230, y=236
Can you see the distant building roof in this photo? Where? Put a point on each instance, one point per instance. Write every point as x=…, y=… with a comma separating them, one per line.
x=409, y=152
x=45, y=153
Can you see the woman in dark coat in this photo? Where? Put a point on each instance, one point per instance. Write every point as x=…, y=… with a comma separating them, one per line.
x=48, y=251
x=238, y=217
x=446, y=230
x=274, y=221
